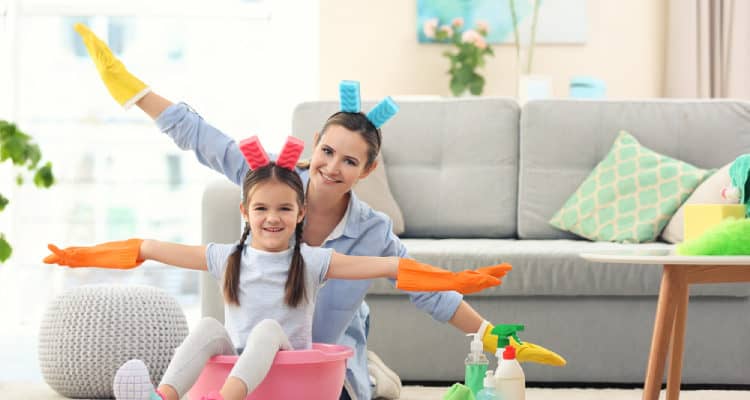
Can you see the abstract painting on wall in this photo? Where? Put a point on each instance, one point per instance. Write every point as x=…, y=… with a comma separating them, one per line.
x=558, y=21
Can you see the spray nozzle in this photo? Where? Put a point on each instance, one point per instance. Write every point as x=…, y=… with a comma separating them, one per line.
x=504, y=331
x=476, y=343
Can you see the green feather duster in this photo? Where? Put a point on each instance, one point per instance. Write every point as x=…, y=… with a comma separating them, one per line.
x=731, y=237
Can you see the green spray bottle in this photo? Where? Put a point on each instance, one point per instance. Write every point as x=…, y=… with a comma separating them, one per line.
x=476, y=365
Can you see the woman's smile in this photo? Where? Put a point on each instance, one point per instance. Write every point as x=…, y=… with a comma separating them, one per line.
x=327, y=178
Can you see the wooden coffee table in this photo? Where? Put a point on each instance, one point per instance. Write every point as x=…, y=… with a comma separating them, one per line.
x=678, y=273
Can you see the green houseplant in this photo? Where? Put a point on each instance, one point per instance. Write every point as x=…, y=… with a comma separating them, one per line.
x=470, y=49
x=18, y=147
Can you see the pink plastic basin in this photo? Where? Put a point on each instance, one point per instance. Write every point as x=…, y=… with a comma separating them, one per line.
x=315, y=374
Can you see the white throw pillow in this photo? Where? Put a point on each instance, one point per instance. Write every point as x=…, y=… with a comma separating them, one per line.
x=375, y=191
x=708, y=192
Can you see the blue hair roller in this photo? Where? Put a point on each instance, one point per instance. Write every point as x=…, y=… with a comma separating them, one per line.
x=382, y=112
x=349, y=95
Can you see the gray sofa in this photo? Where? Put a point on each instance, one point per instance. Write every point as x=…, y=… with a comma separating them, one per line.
x=478, y=179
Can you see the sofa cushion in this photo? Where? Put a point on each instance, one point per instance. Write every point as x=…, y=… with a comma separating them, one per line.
x=562, y=140
x=629, y=196
x=452, y=163
x=375, y=191
x=551, y=268
x=708, y=192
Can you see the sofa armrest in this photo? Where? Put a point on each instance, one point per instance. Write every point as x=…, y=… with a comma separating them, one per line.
x=221, y=222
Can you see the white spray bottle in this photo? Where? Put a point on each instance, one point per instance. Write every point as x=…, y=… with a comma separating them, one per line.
x=510, y=381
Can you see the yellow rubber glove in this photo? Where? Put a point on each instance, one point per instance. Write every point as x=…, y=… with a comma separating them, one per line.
x=526, y=352
x=117, y=255
x=122, y=85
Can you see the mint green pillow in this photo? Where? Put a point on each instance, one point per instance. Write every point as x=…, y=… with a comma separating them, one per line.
x=630, y=195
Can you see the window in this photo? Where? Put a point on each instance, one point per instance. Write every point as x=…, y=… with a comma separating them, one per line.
x=117, y=175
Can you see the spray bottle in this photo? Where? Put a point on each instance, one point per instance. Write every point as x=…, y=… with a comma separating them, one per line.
x=476, y=365
x=510, y=382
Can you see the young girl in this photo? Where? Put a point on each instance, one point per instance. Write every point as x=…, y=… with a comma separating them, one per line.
x=345, y=152
x=270, y=282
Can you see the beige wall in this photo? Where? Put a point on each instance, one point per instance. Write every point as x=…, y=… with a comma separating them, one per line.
x=375, y=42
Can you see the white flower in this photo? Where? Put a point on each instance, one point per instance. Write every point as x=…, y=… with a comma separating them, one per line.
x=429, y=28
x=481, y=43
x=447, y=30
x=483, y=27
x=457, y=22
x=470, y=36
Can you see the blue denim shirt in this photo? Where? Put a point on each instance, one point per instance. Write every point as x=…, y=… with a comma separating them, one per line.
x=340, y=311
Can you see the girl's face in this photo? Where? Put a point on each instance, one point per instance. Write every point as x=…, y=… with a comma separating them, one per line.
x=273, y=213
x=338, y=160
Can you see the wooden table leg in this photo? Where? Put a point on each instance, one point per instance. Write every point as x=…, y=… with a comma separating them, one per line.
x=674, y=376
x=663, y=324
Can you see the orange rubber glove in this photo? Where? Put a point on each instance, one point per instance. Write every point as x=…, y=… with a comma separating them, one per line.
x=416, y=276
x=117, y=255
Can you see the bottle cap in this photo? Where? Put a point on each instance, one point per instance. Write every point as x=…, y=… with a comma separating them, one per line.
x=509, y=353
x=476, y=343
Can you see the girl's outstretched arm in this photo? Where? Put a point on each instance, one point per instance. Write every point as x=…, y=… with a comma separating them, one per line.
x=128, y=254
x=356, y=267
x=179, y=255
x=411, y=275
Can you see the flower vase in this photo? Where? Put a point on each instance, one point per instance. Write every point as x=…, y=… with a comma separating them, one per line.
x=533, y=87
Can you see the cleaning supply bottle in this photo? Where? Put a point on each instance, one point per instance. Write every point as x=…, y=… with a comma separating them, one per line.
x=476, y=365
x=510, y=382
x=488, y=393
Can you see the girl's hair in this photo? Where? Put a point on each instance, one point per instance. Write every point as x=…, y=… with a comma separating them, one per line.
x=355, y=122
x=294, y=289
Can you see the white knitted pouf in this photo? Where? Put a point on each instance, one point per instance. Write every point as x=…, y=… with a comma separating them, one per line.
x=90, y=331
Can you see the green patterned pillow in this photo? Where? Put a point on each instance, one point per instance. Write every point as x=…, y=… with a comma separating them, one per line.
x=629, y=196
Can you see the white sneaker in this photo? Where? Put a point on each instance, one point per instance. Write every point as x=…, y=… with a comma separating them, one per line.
x=132, y=382
x=387, y=383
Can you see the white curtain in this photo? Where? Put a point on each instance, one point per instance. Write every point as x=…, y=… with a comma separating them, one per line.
x=708, y=50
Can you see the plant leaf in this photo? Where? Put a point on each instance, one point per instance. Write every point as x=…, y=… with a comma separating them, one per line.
x=457, y=87
x=33, y=155
x=5, y=249
x=44, y=177
x=476, y=85
x=3, y=202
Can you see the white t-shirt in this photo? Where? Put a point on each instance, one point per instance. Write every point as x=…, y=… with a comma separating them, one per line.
x=261, y=290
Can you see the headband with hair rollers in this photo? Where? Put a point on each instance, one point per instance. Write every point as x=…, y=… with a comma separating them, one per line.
x=350, y=102
x=257, y=157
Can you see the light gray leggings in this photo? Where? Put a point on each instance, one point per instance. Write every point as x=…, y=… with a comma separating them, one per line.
x=210, y=338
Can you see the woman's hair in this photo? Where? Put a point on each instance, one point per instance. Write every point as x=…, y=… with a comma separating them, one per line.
x=294, y=289
x=355, y=122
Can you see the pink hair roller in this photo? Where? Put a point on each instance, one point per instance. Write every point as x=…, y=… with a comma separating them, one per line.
x=254, y=153
x=290, y=153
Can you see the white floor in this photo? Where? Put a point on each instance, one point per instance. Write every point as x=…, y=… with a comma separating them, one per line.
x=36, y=391
x=429, y=393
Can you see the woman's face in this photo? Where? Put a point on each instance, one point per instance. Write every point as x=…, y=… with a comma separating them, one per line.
x=338, y=161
